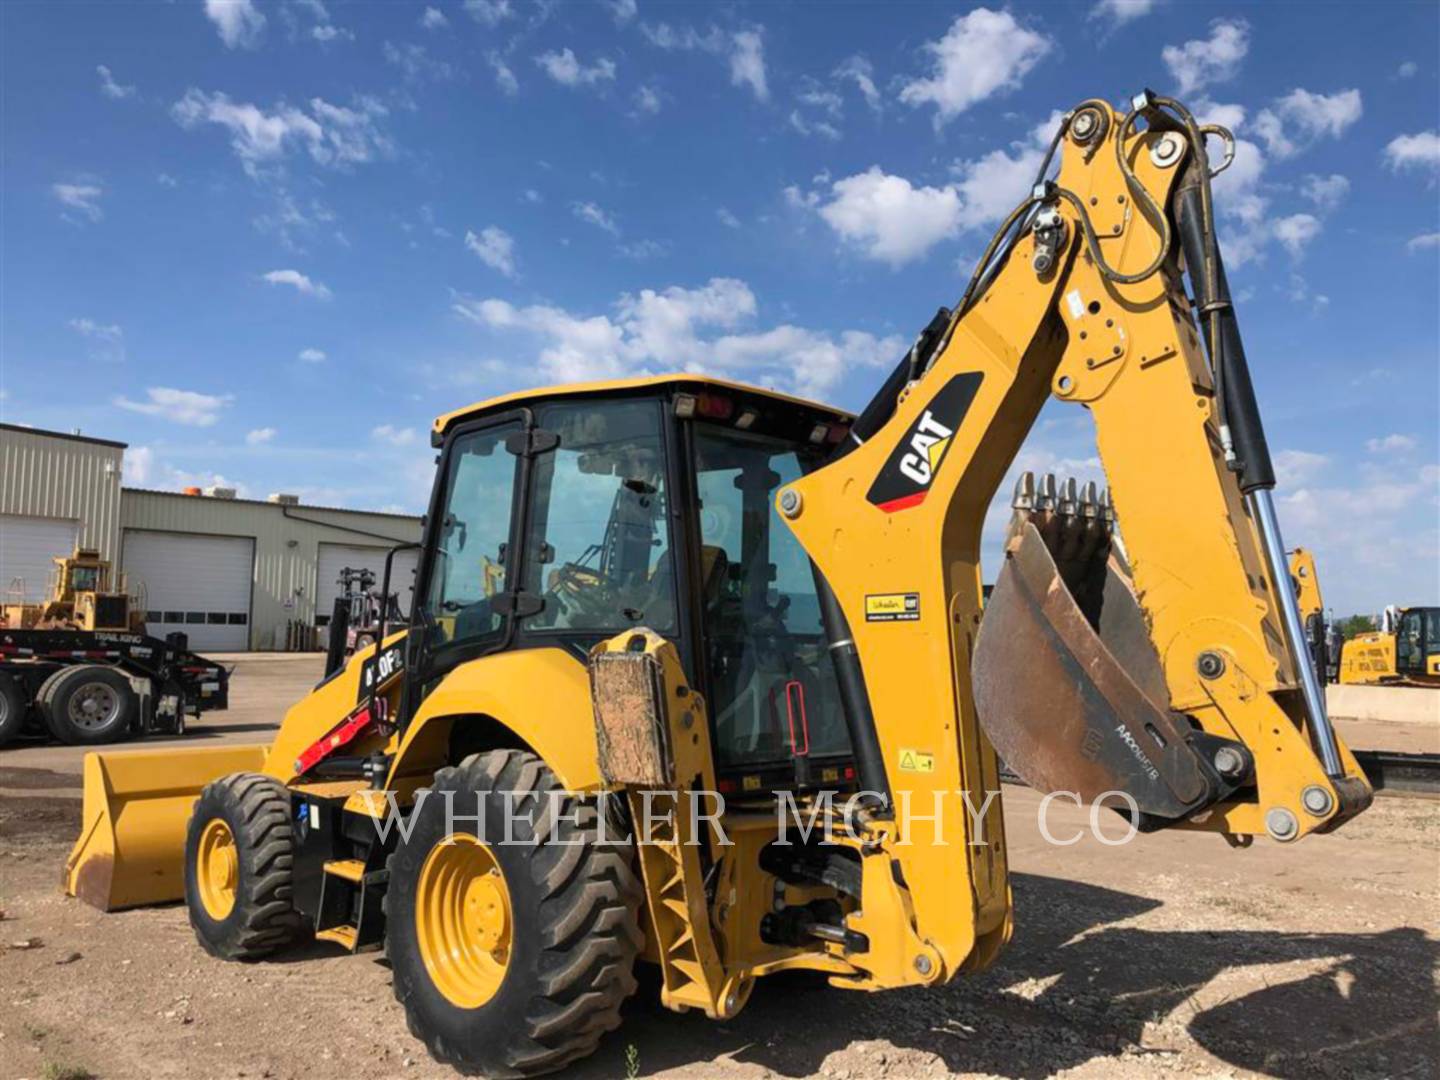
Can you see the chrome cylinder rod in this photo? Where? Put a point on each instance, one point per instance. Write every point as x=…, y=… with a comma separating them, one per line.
x=1312, y=691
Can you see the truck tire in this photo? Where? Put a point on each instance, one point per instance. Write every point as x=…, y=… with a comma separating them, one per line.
x=12, y=709
x=239, y=858
x=510, y=959
x=87, y=705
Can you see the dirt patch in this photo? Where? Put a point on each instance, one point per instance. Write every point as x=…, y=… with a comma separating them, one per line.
x=1175, y=954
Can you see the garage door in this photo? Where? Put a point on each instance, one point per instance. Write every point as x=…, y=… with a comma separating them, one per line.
x=28, y=546
x=198, y=584
x=336, y=557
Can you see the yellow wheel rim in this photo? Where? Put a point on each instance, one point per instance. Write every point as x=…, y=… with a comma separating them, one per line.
x=217, y=869
x=463, y=920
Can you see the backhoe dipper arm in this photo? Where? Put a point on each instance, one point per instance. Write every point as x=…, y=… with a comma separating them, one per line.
x=1081, y=295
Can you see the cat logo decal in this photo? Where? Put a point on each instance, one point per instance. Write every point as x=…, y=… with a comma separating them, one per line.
x=905, y=479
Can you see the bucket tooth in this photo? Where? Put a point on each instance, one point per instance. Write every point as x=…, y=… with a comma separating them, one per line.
x=1046, y=498
x=1069, y=503
x=1024, y=496
x=1089, y=501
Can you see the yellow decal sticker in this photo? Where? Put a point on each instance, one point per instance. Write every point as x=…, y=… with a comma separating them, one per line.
x=830, y=776
x=750, y=783
x=892, y=607
x=916, y=760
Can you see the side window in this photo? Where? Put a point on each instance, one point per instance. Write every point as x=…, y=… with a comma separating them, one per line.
x=598, y=542
x=1407, y=644
x=471, y=535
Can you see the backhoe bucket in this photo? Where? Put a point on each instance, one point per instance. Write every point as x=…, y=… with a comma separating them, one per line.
x=1068, y=686
x=131, y=850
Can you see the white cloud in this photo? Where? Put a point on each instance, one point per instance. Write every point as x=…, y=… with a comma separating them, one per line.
x=1421, y=151
x=259, y=436
x=530, y=195
x=1120, y=12
x=298, y=281
x=1296, y=467
x=567, y=70
x=747, y=63
x=417, y=63
x=729, y=220
x=108, y=334
x=332, y=134
x=1326, y=192
x=857, y=69
x=137, y=466
x=1293, y=122
x=744, y=50
x=1391, y=444
x=489, y=12
x=993, y=185
x=110, y=88
x=239, y=22
x=389, y=433
x=433, y=19
x=178, y=406
x=495, y=247
x=1423, y=242
x=888, y=218
x=1296, y=231
x=312, y=356
x=623, y=10
x=504, y=77
x=166, y=180
x=823, y=128
x=983, y=53
x=684, y=329
x=1201, y=62
x=82, y=196
x=1407, y=70
x=647, y=100
x=591, y=214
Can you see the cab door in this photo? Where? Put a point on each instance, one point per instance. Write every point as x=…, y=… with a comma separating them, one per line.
x=464, y=603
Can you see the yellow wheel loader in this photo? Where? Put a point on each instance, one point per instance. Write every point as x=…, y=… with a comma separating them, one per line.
x=731, y=709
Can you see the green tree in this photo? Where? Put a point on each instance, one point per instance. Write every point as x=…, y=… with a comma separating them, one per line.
x=1355, y=624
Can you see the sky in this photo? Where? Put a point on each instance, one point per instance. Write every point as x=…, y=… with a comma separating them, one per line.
x=265, y=244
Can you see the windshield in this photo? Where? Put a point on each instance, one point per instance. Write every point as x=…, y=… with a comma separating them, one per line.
x=773, y=691
x=84, y=578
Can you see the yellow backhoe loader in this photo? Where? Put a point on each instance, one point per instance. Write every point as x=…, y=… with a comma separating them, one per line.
x=734, y=710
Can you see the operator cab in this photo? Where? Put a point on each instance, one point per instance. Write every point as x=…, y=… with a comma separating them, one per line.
x=562, y=518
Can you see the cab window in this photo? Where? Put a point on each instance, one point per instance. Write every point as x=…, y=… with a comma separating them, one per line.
x=773, y=691
x=597, y=544
x=472, y=530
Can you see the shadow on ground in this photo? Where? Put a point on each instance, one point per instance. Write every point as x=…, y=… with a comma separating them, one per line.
x=1370, y=1012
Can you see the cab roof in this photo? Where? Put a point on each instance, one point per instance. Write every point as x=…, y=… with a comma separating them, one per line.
x=676, y=380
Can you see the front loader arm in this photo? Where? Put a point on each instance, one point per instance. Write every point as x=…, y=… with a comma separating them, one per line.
x=1088, y=304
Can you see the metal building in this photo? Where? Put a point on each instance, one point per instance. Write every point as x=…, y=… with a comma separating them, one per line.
x=233, y=574
x=57, y=492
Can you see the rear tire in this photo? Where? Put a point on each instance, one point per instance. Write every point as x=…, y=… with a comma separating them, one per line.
x=88, y=705
x=12, y=710
x=239, y=858
x=572, y=928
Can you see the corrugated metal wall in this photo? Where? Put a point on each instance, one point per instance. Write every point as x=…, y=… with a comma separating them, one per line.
x=43, y=475
x=287, y=543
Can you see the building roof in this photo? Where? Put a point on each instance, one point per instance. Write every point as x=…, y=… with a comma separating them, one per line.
x=210, y=499
x=636, y=383
x=71, y=436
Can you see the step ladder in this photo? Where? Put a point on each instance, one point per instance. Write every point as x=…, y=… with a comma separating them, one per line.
x=349, y=912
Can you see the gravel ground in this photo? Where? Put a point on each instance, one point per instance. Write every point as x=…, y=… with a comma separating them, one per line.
x=1174, y=954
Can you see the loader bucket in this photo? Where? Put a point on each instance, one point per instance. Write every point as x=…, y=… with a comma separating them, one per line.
x=137, y=803
x=1068, y=686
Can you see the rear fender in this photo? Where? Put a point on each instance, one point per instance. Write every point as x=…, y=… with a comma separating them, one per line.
x=541, y=696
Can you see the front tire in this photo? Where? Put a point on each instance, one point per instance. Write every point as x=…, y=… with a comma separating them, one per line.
x=511, y=959
x=239, y=857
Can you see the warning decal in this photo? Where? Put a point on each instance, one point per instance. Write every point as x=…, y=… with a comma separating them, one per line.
x=892, y=607
x=916, y=760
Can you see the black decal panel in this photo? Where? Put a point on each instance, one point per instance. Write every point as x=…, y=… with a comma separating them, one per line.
x=904, y=481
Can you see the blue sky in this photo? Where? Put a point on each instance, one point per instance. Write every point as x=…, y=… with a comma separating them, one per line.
x=265, y=244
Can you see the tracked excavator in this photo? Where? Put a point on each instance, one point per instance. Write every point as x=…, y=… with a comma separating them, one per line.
x=717, y=601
